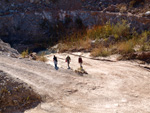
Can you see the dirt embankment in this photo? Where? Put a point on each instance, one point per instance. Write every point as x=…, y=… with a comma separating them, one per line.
x=16, y=96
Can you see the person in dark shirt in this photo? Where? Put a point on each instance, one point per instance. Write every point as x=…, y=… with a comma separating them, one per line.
x=55, y=62
x=80, y=61
x=68, y=59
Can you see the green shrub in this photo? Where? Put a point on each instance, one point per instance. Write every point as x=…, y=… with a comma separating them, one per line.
x=143, y=41
x=121, y=29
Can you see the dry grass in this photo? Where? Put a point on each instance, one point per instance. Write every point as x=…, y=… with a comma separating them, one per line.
x=25, y=54
x=100, y=51
x=126, y=47
x=75, y=46
x=75, y=42
x=42, y=58
x=86, y=44
x=64, y=47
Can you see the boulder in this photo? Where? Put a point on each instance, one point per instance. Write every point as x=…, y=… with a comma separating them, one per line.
x=33, y=56
x=147, y=14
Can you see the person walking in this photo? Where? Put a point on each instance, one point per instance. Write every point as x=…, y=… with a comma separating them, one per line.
x=55, y=62
x=80, y=61
x=68, y=59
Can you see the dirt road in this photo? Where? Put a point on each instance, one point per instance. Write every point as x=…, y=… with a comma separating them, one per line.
x=110, y=86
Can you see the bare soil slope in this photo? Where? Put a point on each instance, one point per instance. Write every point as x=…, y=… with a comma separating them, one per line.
x=110, y=87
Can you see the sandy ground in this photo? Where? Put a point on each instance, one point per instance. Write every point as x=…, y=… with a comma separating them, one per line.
x=110, y=87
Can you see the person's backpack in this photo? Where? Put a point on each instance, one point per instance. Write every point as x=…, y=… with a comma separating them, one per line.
x=68, y=59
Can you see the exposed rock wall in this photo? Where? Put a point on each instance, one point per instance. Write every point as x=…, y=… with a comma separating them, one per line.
x=25, y=24
x=26, y=28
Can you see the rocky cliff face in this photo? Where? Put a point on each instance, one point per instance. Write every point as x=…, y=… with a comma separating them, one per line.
x=36, y=23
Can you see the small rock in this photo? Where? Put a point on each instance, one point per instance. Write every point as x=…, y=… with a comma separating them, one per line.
x=116, y=105
x=136, y=95
x=33, y=56
x=93, y=88
x=147, y=13
x=72, y=91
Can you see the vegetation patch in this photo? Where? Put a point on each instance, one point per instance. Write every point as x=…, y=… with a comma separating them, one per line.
x=42, y=58
x=25, y=53
x=107, y=39
x=100, y=51
x=34, y=56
